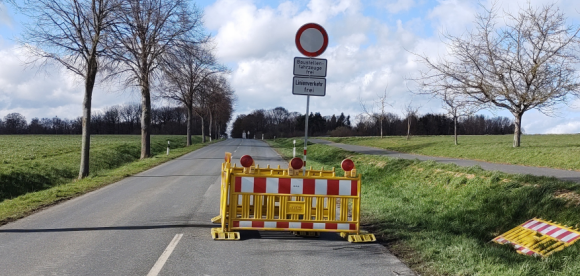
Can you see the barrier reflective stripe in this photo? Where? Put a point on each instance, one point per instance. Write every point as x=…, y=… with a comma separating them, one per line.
x=551, y=230
x=296, y=186
x=524, y=250
x=285, y=225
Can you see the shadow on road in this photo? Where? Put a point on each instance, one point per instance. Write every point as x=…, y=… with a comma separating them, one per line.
x=78, y=229
x=284, y=235
x=183, y=159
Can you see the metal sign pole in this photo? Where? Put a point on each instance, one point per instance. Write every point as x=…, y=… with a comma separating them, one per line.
x=311, y=83
x=306, y=131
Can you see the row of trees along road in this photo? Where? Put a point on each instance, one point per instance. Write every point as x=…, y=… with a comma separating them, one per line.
x=511, y=61
x=120, y=119
x=278, y=122
x=134, y=41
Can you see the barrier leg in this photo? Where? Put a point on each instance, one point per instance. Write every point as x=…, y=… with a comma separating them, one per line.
x=217, y=219
x=359, y=237
x=219, y=234
x=222, y=233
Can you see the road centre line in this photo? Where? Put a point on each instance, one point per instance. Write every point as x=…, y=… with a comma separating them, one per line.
x=163, y=258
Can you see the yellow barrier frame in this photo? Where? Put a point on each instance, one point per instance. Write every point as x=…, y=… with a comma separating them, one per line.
x=325, y=203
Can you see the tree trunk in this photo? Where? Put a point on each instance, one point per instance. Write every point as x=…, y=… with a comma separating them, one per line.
x=455, y=128
x=381, y=121
x=86, y=128
x=517, y=128
x=145, y=120
x=210, y=123
x=189, y=127
x=409, y=128
x=202, y=130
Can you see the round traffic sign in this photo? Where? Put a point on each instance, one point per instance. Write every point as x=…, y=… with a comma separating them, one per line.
x=311, y=40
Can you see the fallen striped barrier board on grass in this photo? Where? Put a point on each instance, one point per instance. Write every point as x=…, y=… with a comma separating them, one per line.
x=538, y=237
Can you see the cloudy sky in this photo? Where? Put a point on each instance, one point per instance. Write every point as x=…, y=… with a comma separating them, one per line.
x=368, y=52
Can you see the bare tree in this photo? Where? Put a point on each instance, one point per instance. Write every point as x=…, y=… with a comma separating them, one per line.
x=410, y=113
x=220, y=104
x=530, y=63
x=71, y=33
x=147, y=30
x=185, y=69
x=15, y=123
x=380, y=103
x=457, y=106
x=130, y=114
x=204, y=98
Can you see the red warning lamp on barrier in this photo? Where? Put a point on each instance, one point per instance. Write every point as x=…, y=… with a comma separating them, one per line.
x=296, y=163
x=347, y=165
x=246, y=161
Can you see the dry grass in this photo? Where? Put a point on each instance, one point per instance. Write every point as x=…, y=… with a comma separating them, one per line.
x=572, y=198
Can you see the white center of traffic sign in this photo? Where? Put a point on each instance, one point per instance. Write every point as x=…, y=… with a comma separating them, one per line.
x=311, y=40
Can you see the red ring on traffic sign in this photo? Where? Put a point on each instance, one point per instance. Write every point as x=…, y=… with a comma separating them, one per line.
x=324, y=39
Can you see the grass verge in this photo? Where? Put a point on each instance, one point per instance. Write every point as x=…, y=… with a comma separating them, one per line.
x=64, y=189
x=30, y=163
x=439, y=218
x=551, y=151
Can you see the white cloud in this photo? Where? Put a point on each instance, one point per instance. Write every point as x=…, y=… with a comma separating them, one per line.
x=244, y=31
x=28, y=87
x=453, y=16
x=400, y=5
x=45, y=93
x=567, y=127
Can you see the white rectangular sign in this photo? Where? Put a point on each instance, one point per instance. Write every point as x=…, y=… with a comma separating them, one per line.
x=309, y=86
x=312, y=67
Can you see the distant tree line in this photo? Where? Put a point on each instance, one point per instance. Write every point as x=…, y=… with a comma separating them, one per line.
x=119, y=119
x=279, y=122
x=433, y=124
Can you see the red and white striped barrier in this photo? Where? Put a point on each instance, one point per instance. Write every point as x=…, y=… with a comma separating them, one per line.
x=553, y=231
x=296, y=186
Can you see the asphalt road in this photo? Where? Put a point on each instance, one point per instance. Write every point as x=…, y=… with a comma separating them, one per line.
x=158, y=223
x=515, y=169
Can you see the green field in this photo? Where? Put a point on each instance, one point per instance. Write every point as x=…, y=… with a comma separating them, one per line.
x=39, y=170
x=439, y=218
x=552, y=151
